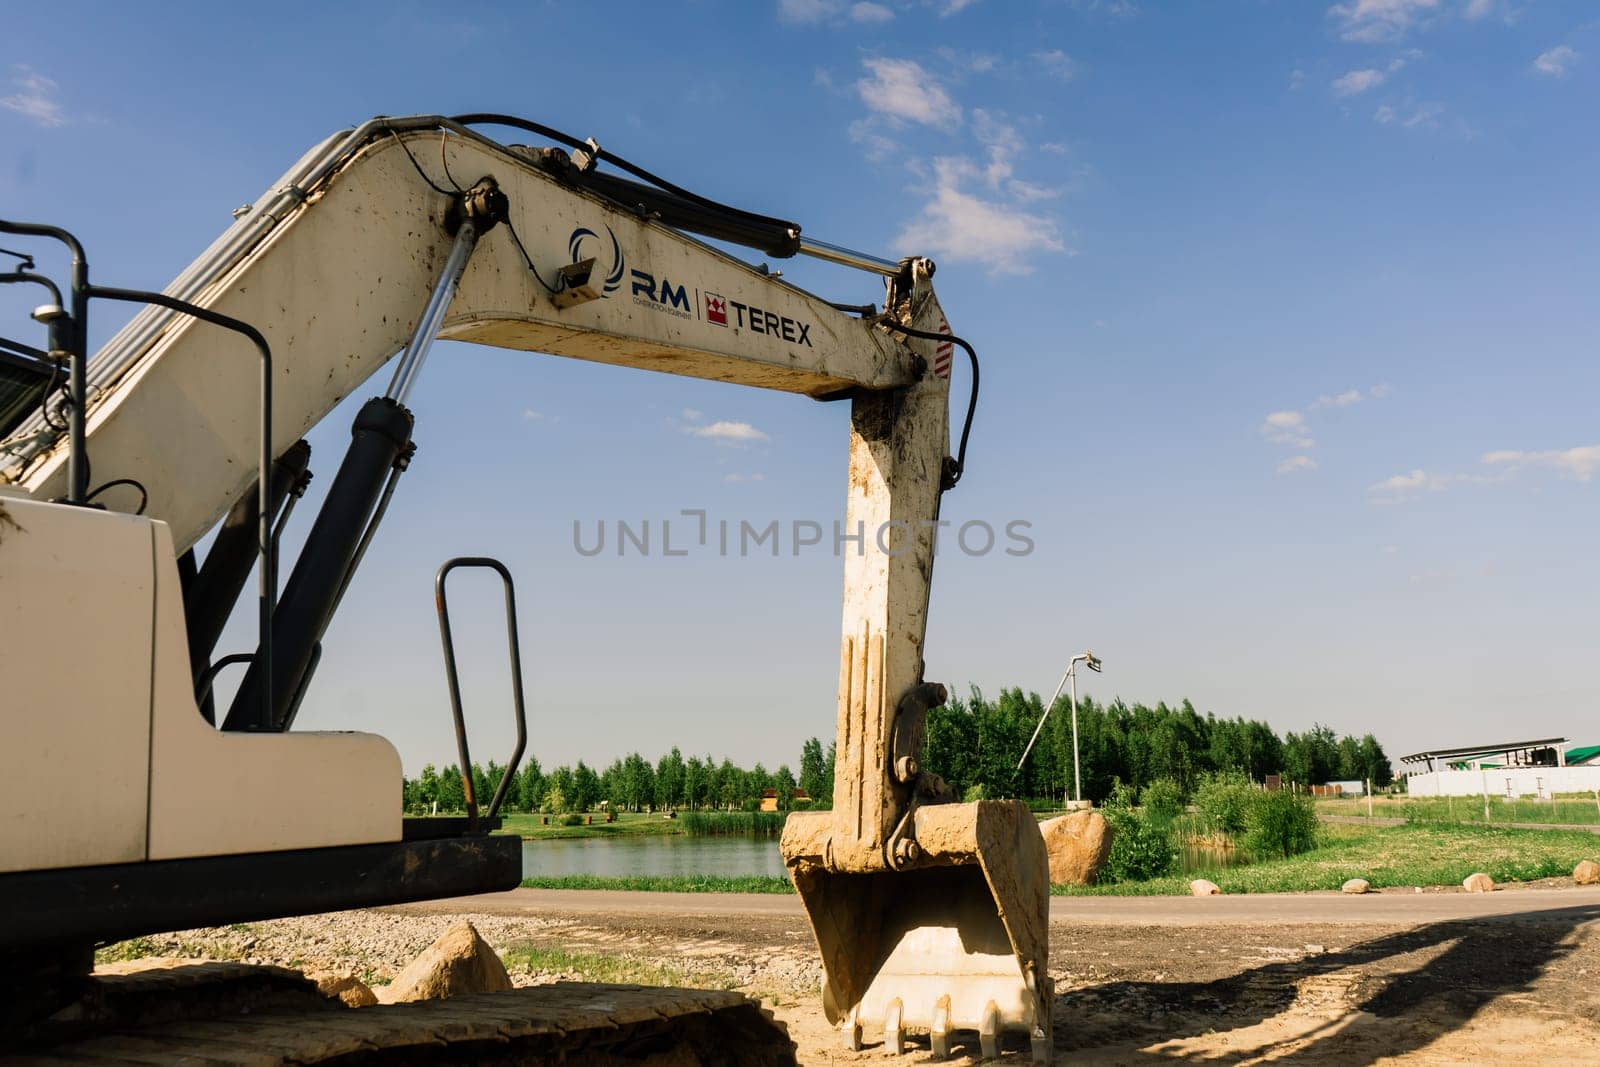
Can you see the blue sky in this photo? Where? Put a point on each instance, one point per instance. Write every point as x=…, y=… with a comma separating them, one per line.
x=1287, y=313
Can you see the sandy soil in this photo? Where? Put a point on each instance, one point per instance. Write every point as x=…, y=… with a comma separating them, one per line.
x=1508, y=988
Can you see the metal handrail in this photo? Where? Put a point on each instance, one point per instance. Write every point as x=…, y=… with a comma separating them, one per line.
x=455, y=683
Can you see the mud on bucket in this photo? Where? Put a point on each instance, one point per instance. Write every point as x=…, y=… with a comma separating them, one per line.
x=953, y=938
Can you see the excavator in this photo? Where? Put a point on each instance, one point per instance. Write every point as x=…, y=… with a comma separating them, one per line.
x=183, y=810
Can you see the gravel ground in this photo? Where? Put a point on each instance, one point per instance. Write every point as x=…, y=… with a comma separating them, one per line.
x=1459, y=990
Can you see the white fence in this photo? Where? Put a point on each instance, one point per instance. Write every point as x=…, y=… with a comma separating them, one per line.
x=1505, y=782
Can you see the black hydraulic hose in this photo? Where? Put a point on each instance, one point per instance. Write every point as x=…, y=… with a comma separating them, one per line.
x=489, y=119
x=953, y=475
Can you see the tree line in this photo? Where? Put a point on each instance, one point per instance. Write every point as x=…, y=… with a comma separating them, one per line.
x=973, y=743
x=976, y=742
x=630, y=783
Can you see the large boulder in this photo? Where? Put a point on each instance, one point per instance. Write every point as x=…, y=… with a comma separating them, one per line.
x=1356, y=886
x=1478, y=883
x=460, y=962
x=1200, y=887
x=1586, y=872
x=1077, y=845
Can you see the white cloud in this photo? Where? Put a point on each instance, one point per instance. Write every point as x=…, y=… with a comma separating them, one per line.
x=1297, y=463
x=1557, y=61
x=1582, y=463
x=1380, y=20
x=1411, y=116
x=727, y=432
x=35, y=97
x=902, y=90
x=1338, y=400
x=1056, y=63
x=733, y=477
x=1401, y=486
x=1287, y=428
x=1355, y=82
x=530, y=415
x=870, y=12
x=959, y=225
x=692, y=414
x=1358, y=81
x=1297, y=78
x=1379, y=391
x=954, y=7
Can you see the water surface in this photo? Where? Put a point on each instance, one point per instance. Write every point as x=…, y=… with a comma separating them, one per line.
x=667, y=855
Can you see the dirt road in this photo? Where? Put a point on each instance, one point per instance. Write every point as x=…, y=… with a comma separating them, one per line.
x=1431, y=978
x=1436, y=977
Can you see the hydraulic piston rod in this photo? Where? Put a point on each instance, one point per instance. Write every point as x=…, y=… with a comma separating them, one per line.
x=416, y=351
x=380, y=446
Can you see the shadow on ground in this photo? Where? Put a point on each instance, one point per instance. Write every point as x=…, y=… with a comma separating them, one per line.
x=1413, y=987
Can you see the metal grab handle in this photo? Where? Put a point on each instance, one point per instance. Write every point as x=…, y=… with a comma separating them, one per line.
x=455, y=683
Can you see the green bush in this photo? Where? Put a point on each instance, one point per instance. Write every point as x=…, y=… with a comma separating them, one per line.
x=572, y=819
x=1142, y=847
x=1280, y=824
x=1224, y=800
x=1162, y=799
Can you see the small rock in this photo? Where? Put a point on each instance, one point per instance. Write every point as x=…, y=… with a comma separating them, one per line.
x=1078, y=845
x=1416, y=889
x=1202, y=888
x=1478, y=883
x=1587, y=873
x=459, y=962
x=1315, y=950
x=1356, y=885
x=347, y=988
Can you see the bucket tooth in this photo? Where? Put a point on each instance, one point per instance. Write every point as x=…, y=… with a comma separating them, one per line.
x=989, y=1032
x=939, y=1029
x=850, y=1029
x=1042, y=1046
x=894, y=1031
x=957, y=938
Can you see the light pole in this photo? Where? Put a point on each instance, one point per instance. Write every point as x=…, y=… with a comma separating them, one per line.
x=1090, y=660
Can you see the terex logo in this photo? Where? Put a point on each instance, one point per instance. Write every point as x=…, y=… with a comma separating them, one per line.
x=674, y=300
x=758, y=321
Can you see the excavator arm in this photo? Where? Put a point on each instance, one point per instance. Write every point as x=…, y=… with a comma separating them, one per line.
x=929, y=914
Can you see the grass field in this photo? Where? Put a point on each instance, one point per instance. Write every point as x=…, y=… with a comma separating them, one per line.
x=1565, y=809
x=628, y=824
x=1411, y=855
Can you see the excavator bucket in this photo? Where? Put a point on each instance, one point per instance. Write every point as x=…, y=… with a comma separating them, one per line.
x=954, y=939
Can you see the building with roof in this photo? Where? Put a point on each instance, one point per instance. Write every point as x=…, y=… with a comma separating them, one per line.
x=1538, y=767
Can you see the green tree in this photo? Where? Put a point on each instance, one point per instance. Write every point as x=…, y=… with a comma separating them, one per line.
x=669, y=787
x=585, y=787
x=783, y=782
x=811, y=768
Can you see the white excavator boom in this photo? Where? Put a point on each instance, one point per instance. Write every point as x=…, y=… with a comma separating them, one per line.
x=930, y=915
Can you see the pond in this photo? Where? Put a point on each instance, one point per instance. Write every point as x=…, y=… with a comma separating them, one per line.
x=652, y=856
x=672, y=855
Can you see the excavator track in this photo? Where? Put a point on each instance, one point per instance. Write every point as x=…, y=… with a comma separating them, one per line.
x=232, y=1014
